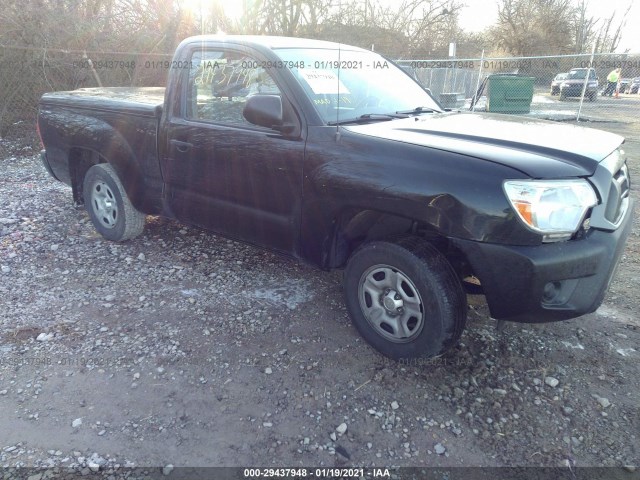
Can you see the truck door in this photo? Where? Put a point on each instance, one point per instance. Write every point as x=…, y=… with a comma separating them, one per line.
x=224, y=173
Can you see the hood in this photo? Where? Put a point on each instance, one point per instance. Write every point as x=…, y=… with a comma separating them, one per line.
x=537, y=148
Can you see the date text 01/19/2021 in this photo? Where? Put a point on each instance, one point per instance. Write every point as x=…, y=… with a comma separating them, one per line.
x=316, y=473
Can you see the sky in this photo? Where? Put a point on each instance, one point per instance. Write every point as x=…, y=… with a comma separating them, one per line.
x=479, y=14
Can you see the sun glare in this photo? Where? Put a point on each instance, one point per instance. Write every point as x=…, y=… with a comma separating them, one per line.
x=232, y=8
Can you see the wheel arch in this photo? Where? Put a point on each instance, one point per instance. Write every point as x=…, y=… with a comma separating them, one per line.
x=355, y=227
x=80, y=161
x=82, y=158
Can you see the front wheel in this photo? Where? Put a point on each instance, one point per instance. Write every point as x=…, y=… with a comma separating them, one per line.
x=109, y=208
x=404, y=298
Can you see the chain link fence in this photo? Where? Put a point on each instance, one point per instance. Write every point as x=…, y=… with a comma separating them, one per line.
x=27, y=73
x=566, y=87
x=527, y=85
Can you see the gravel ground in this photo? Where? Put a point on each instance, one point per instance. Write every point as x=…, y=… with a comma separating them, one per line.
x=181, y=348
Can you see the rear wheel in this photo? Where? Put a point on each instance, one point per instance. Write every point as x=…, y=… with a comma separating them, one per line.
x=109, y=208
x=404, y=298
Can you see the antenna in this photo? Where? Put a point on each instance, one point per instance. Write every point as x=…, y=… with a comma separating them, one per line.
x=338, y=102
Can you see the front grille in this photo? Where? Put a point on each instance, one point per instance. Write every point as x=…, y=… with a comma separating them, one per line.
x=618, y=195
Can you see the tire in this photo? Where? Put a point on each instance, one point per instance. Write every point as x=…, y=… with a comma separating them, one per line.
x=404, y=298
x=109, y=208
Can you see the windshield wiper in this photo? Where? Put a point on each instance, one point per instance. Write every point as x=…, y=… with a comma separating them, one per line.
x=371, y=117
x=418, y=110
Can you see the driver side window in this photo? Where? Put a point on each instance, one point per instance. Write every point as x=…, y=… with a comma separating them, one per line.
x=220, y=83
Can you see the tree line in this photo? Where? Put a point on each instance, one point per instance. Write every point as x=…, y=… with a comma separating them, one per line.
x=404, y=29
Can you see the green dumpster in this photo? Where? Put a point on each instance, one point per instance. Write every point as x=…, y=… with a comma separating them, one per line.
x=509, y=94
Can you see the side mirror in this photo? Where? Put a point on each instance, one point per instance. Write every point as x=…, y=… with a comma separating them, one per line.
x=264, y=110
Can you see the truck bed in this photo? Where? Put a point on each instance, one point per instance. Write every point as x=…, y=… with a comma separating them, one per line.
x=119, y=124
x=133, y=100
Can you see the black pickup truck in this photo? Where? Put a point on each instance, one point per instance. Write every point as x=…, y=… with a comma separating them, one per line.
x=334, y=155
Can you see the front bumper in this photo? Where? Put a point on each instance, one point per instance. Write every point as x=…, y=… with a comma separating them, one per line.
x=548, y=282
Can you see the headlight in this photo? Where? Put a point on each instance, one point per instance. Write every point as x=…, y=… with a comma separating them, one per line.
x=554, y=208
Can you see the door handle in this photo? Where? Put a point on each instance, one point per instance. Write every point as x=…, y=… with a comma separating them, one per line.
x=182, y=147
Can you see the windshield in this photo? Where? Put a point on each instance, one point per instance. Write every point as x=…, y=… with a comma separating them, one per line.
x=366, y=84
x=580, y=74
